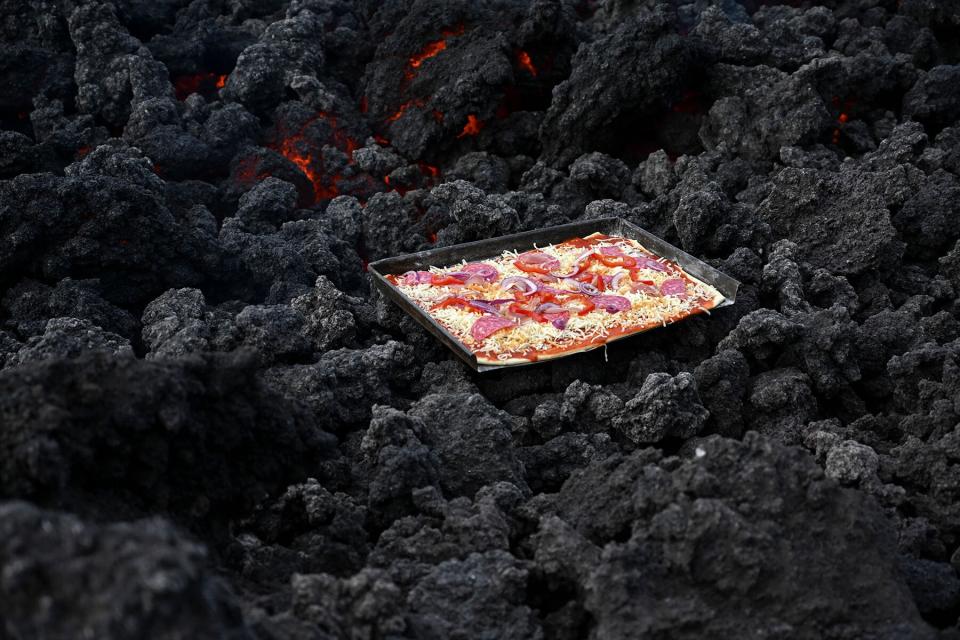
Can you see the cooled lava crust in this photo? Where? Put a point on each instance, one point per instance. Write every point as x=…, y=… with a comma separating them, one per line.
x=211, y=426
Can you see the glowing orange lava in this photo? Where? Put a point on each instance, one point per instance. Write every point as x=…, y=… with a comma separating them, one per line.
x=298, y=149
x=429, y=170
x=524, y=59
x=406, y=105
x=431, y=50
x=472, y=128
x=203, y=83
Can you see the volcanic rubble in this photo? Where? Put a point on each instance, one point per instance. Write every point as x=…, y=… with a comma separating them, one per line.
x=212, y=426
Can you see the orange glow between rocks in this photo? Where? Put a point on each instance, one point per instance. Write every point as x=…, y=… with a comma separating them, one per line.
x=472, y=128
x=432, y=49
x=297, y=149
x=200, y=83
x=524, y=59
x=403, y=108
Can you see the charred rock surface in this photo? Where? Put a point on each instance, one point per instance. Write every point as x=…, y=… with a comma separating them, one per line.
x=211, y=425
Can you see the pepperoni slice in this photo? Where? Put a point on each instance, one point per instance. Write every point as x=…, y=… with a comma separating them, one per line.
x=674, y=287
x=611, y=304
x=486, y=326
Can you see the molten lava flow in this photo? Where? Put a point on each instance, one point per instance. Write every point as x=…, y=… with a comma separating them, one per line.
x=524, y=59
x=438, y=115
x=383, y=142
x=298, y=149
x=431, y=50
x=432, y=237
x=843, y=108
x=82, y=151
x=403, y=108
x=472, y=128
x=203, y=83
x=429, y=170
x=363, y=104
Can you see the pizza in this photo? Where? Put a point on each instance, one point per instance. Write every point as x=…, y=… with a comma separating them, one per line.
x=556, y=300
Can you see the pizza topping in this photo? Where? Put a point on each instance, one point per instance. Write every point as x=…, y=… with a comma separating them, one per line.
x=673, y=287
x=588, y=289
x=483, y=270
x=644, y=262
x=417, y=277
x=487, y=326
x=646, y=287
x=586, y=305
x=550, y=307
x=612, y=304
x=617, y=280
x=559, y=320
x=440, y=280
x=525, y=286
x=536, y=262
x=452, y=301
x=484, y=305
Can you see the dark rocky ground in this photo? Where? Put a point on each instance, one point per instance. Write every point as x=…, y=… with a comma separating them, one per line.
x=210, y=427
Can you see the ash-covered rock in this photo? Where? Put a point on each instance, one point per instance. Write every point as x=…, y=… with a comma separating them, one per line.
x=200, y=439
x=64, y=576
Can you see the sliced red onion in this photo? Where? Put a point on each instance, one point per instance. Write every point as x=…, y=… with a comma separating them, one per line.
x=501, y=301
x=539, y=259
x=611, y=251
x=544, y=277
x=607, y=281
x=549, y=307
x=618, y=279
x=675, y=287
x=417, y=277
x=553, y=290
x=486, y=326
x=475, y=279
x=576, y=271
x=526, y=286
x=643, y=262
x=462, y=275
x=485, y=271
x=483, y=305
x=612, y=304
x=583, y=256
x=560, y=320
x=588, y=289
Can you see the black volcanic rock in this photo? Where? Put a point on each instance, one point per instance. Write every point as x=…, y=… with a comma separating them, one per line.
x=65, y=577
x=588, y=108
x=199, y=438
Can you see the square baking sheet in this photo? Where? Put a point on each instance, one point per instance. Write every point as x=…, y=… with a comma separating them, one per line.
x=484, y=249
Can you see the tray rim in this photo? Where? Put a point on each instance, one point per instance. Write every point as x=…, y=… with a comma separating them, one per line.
x=613, y=225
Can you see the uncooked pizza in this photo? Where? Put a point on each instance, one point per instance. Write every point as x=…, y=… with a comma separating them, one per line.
x=556, y=300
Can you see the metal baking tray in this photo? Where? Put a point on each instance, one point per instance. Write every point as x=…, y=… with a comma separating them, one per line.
x=483, y=249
